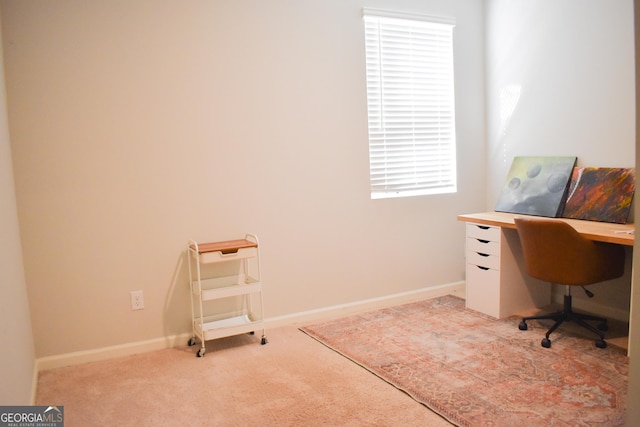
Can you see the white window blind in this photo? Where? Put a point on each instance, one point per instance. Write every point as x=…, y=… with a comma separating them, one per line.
x=410, y=96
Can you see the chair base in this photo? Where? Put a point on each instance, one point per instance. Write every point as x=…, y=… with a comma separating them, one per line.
x=568, y=315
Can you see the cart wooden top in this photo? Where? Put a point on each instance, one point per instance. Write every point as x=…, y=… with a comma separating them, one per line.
x=228, y=246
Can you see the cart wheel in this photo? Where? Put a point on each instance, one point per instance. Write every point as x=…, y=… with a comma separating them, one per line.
x=263, y=341
x=252, y=333
x=200, y=352
x=192, y=341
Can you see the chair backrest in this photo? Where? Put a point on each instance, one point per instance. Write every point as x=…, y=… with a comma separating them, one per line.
x=555, y=252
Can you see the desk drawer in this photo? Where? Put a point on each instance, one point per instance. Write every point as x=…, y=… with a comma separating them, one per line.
x=483, y=232
x=483, y=260
x=220, y=256
x=483, y=246
x=483, y=290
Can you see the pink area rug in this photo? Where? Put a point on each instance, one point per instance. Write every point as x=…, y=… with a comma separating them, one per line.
x=477, y=371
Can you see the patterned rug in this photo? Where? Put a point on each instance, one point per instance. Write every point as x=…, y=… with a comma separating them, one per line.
x=477, y=371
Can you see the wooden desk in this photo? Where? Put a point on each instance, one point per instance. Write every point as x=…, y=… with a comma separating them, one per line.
x=622, y=234
x=496, y=279
x=496, y=282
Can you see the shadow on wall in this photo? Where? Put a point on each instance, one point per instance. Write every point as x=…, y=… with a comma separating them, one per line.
x=177, y=306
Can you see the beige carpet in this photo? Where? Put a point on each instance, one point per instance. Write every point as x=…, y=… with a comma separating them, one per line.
x=292, y=381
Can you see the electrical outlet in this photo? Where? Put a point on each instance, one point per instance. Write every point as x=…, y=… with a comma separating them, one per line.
x=137, y=300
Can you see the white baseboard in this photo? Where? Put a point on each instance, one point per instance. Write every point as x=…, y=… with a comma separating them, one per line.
x=78, y=357
x=457, y=288
x=34, y=383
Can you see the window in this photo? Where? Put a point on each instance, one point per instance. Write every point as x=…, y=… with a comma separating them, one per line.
x=410, y=97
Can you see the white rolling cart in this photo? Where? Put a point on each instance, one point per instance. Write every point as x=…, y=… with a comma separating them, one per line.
x=244, y=282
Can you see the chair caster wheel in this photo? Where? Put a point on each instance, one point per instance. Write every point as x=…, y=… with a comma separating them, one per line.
x=522, y=326
x=546, y=343
x=603, y=327
x=200, y=352
x=263, y=341
x=601, y=344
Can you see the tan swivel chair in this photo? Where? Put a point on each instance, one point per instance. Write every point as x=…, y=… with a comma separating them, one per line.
x=555, y=252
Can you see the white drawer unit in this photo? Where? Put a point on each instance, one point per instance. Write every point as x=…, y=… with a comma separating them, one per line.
x=243, y=282
x=496, y=282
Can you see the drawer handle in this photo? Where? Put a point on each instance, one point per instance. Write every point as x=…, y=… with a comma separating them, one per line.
x=483, y=241
x=483, y=227
x=481, y=254
x=482, y=268
x=227, y=252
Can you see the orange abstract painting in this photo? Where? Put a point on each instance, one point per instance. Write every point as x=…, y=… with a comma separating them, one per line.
x=600, y=194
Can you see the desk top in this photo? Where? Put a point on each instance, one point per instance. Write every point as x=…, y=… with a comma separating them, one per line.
x=621, y=234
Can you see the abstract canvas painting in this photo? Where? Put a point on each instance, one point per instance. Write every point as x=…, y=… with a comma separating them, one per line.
x=600, y=194
x=536, y=185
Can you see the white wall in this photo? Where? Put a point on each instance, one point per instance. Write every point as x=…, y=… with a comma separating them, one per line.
x=17, y=357
x=561, y=81
x=139, y=125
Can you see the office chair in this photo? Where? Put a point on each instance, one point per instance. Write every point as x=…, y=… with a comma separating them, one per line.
x=555, y=252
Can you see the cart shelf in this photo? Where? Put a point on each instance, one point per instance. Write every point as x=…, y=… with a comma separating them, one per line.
x=208, y=294
x=227, y=327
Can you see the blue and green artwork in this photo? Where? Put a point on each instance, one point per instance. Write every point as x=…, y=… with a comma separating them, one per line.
x=536, y=185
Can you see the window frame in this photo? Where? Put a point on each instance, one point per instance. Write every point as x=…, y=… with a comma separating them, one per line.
x=411, y=122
